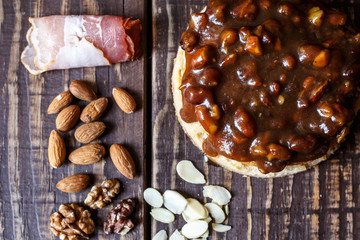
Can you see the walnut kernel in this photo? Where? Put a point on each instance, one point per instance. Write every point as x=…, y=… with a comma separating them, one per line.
x=98, y=197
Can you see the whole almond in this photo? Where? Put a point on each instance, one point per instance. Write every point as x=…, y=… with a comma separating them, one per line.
x=122, y=160
x=124, y=100
x=82, y=90
x=60, y=102
x=87, y=154
x=94, y=110
x=89, y=132
x=67, y=118
x=74, y=183
x=56, y=149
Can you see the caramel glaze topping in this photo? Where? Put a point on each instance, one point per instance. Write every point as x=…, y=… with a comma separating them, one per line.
x=272, y=82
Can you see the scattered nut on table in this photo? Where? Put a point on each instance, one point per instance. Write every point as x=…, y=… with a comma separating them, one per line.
x=71, y=222
x=118, y=220
x=98, y=197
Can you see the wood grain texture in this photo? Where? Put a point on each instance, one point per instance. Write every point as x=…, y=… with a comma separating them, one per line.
x=27, y=182
x=321, y=203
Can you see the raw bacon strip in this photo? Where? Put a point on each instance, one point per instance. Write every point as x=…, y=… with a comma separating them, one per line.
x=62, y=42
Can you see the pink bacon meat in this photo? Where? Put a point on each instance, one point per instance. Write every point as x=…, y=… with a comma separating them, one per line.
x=62, y=42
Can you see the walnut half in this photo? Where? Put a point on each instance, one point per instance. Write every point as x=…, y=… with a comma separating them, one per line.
x=98, y=197
x=118, y=220
x=71, y=222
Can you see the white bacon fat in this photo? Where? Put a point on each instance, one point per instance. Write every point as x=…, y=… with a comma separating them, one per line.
x=62, y=42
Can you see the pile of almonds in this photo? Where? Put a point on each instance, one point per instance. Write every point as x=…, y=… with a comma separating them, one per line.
x=91, y=130
x=68, y=116
x=196, y=215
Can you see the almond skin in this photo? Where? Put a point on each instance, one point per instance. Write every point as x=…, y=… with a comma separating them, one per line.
x=122, y=160
x=56, y=149
x=60, y=102
x=73, y=184
x=67, y=118
x=124, y=100
x=94, y=110
x=89, y=132
x=82, y=90
x=87, y=154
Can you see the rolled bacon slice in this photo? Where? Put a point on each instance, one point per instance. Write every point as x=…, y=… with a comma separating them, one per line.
x=62, y=42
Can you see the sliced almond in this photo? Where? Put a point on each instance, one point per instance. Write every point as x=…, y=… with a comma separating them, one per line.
x=89, y=132
x=82, y=90
x=87, y=154
x=153, y=197
x=94, y=110
x=194, y=229
x=60, y=102
x=186, y=218
x=177, y=236
x=56, y=149
x=122, y=160
x=188, y=172
x=195, y=210
x=216, y=212
x=174, y=201
x=74, y=183
x=220, y=227
x=124, y=100
x=162, y=215
x=67, y=118
x=206, y=234
x=227, y=209
x=218, y=194
x=161, y=235
x=208, y=219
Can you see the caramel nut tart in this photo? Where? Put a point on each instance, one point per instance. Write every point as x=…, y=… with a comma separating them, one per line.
x=267, y=88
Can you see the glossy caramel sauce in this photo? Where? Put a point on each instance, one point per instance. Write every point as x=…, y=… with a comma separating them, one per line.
x=272, y=82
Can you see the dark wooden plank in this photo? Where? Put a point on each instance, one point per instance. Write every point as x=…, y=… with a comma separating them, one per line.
x=169, y=142
x=27, y=182
x=321, y=203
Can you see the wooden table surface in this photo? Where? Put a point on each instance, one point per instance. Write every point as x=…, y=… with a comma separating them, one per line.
x=322, y=203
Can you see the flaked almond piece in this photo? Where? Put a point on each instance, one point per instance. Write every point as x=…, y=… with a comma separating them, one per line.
x=124, y=100
x=162, y=215
x=194, y=210
x=160, y=235
x=60, y=102
x=82, y=90
x=218, y=194
x=227, y=209
x=67, y=118
x=122, y=160
x=194, y=229
x=208, y=219
x=205, y=235
x=56, y=149
x=87, y=154
x=220, y=227
x=74, y=183
x=174, y=201
x=89, y=132
x=153, y=197
x=94, y=110
x=216, y=212
x=188, y=172
x=186, y=217
x=176, y=235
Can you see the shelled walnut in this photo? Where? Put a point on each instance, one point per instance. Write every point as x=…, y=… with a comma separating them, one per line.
x=98, y=197
x=118, y=221
x=71, y=222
